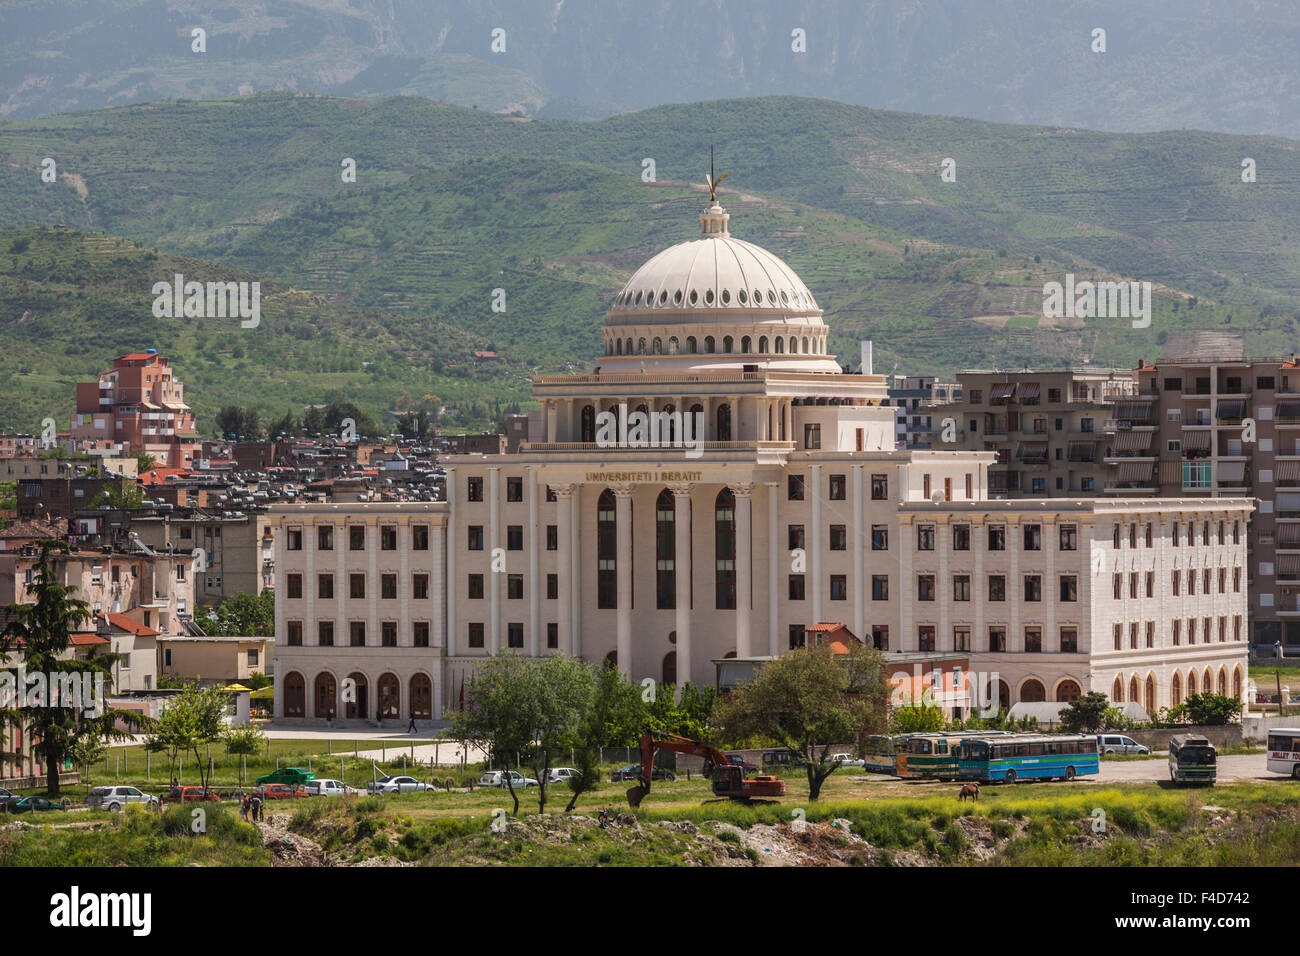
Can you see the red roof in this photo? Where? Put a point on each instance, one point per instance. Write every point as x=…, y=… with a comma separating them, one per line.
x=157, y=476
x=87, y=638
x=124, y=623
x=138, y=356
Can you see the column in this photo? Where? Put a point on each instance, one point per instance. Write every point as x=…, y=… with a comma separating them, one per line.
x=532, y=489
x=565, y=583
x=623, y=549
x=575, y=568
x=814, y=491
x=494, y=545
x=856, y=538
x=683, y=566
x=773, y=555
x=449, y=582
x=744, y=571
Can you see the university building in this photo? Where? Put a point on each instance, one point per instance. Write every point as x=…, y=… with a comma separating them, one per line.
x=716, y=487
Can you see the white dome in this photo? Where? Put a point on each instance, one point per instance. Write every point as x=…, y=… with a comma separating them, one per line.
x=715, y=273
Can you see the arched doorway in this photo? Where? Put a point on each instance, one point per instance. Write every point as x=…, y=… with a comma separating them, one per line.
x=1067, y=691
x=421, y=697
x=1031, y=691
x=390, y=697
x=669, y=670
x=611, y=659
x=358, y=708
x=295, y=695
x=325, y=695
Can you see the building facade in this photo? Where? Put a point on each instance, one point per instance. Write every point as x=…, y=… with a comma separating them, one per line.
x=139, y=407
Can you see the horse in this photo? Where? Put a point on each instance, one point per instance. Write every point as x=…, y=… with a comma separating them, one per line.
x=971, y=790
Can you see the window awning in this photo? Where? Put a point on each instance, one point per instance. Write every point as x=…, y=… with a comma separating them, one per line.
x=1131, y=472
x=1288, y=410
x=1232, y=471
x=1027, y=391
x=1002, y=390
x=1287, y=501
x=1135, y=410
x=1288, y=535
x=1287, y=567
x=1083, y=450
x=1196, y=441
x=1286, y=470
x=1230, y=409
x=1032, y=451
x=1132, y=441
x=1171, y=473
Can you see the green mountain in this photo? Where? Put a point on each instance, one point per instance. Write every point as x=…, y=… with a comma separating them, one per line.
x=450, y=205
x=72, y=301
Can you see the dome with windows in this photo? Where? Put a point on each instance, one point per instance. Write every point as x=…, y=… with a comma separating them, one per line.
x=716, y=302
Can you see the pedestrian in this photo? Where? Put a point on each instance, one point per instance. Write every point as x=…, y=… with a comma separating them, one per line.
x=243, y=806
x=256, y=805
x=411, y=727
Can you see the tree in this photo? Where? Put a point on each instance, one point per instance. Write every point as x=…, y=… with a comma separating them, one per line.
x=246, y=615
x=562, y=696
x=193, y=720
x=619, y=716
x=42, y=634
x=144, y=462
x=1086, y=714
x=808, y=701
x=918, y=717
x=247, y=740
x=498, y=716
x=1209, y=709
x=124, y=495
x=243, y=424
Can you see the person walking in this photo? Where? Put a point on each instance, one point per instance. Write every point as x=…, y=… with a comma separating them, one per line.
x=243, y=806
x=411, y=727
x=256, y=805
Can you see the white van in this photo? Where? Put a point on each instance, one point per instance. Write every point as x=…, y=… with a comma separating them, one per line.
x=1284, y=751
x=1119, y=744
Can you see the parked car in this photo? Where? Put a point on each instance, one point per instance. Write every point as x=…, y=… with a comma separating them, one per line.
x=291, y=775
x=562, y=775
x=632, y=771
x=497, y=778
x=736, y=760
x=847, y=760
x=399, y=785
x=6, y=796
x=24, y=804
x=280, y=791
x=777, y=759
x=191, y=795
x=1119, y=744
x=328, y=788
x=115, y=798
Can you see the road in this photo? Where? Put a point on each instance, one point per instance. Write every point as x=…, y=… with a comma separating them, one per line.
x=1231, y=768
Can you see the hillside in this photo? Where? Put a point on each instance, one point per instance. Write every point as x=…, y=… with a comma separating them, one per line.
x=1169, y=64
x=71, y=301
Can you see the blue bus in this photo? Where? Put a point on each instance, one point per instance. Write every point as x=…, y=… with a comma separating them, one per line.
x=1027, y=757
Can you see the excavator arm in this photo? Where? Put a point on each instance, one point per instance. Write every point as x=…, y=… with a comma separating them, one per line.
x=650, y=742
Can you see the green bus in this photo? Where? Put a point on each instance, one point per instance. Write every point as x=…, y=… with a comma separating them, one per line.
x=934, y=756
x=1192, y=759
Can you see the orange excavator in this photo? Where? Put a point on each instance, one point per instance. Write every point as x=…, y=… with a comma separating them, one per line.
x=728, y=778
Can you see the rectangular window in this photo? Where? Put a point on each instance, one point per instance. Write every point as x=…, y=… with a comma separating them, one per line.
x=474, y=489
x=514, y=587
x=514, y=489
x=475, y=634
x=552, y=636
x=1151, y=584
x=325, y=537
x=388, y=587
x=961, y=638
x=880, y=587
x=839, y=587
x=997, y=537
x=1132, y=584
x=797, y=636
x=1175, y=579
x=1133, y=636
x=1176, y=629
x=292, y=584
x=794, y=487
x=925, y=486
x=925, y=638
x=356, y=537
x=925, y=587
x=552, y=587
x=420, y=633
x=325, y=633
x=925, y=537
x=475, y=587
x=1033, y=587
x=420, y=587
x=879, y=487
x=420, y=537
x=1033, y=640
x=325, y=586
x=1033, y=537
x=475, y=535
x=1069, y=640
x=880, y=636
x=515, y=634
x=812, y=437
x=961, y=587
x=961, y=537
x=838, y=487
x=997, y=587
x=1069, y=537
x=1069, y=587
x=388, y=634
x=514, y=537
x=1118, y=632
x=1223, y=580
x=795, y=536
x=356, y=633
x=998, y=639
x=839, y=538
x=1236, y=580
x=294, y=633
x=796, y=587
x=947, y=489
x=879, y=537
x=356, y=586
x=552, y=538
x=293, y=539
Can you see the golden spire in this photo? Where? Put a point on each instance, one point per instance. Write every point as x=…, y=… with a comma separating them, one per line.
x=711, y=182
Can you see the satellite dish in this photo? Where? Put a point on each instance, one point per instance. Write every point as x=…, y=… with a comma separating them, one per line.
x=937, y=498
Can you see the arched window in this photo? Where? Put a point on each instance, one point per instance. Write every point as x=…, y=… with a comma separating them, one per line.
x=723, y=430
x=295, y=696
x=588, y=423
x=325, y=695
x=421, y=697
x=1151, y=694
x=794, y=345
x=629, y=347
x=673, y=345
x=708, y=344
x=1133, y=692
x=724, y=538
x=1236, y=682
x=727, y=343
x=1176, y=690
x=358, y=709
x=1067, y=691
x=690, y=344
x=803, y=346
x=658, y=345
x=1004, y=695
x=1117, y=692
x=762, y=345
x=698, y=427
x=1191, y=683
x=1032, y=691
x=745, y=344
x=665, y=551
x=1207, y=685
x=620, y=346
x=640, y=346
x=606, y=550
x=780, y=345
x=669, y=670
x=389, y=696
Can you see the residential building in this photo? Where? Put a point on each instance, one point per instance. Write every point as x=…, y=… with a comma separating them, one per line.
x=141, y=408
